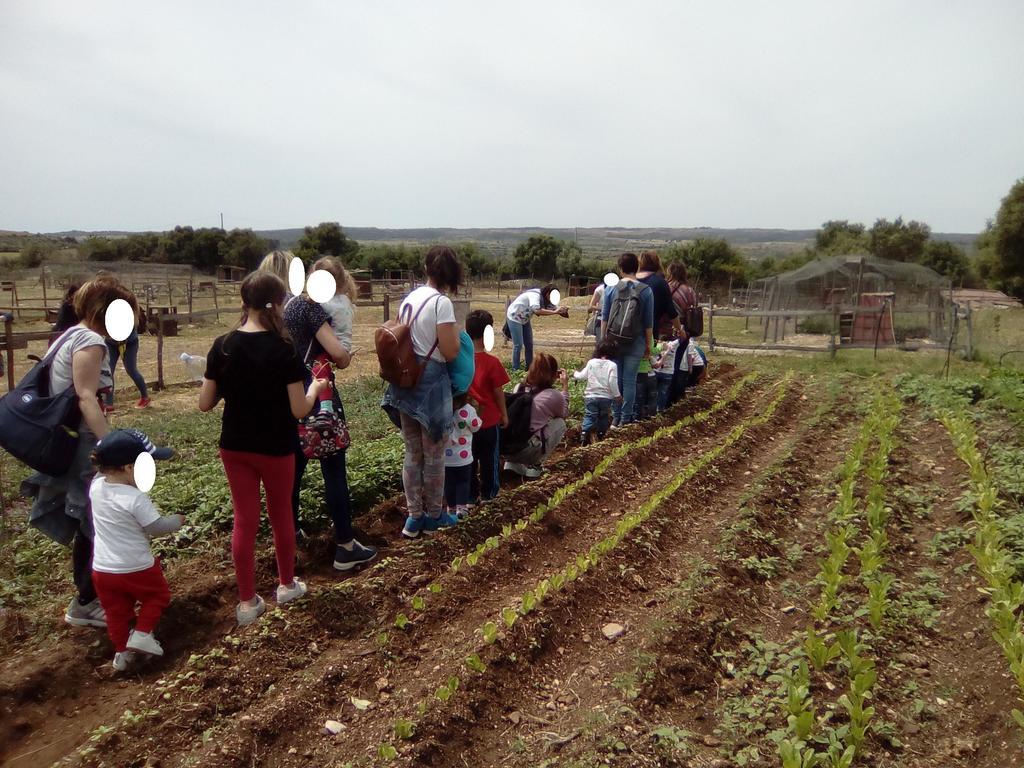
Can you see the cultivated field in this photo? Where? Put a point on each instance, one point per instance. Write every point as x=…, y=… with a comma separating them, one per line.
x=793, y=565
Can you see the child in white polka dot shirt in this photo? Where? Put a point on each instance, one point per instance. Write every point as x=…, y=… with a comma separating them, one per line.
x=458, y=456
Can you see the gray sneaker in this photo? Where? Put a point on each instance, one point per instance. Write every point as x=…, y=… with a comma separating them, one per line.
x=88, y=615
x=247, y=615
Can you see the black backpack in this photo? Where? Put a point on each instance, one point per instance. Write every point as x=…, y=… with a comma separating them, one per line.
x=37, y=427
x=625, y=316
x=517, y=434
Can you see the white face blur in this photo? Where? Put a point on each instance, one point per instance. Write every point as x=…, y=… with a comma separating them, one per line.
x=489, y=338
x=119, y=320
x=611, y=279
x=555, y=297
x=145, y=472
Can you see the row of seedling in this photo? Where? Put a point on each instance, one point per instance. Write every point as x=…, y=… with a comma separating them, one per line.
x=533, y=599
x=872, y=552
x=844, y=742
x=566, y=491
x=1005, y=592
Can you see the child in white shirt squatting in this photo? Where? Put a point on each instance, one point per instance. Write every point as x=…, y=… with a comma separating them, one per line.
x=124, y=569
x=458, y=456
x=601, y=391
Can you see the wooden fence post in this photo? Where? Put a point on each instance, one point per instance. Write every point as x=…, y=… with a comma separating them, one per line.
x=386, y=304
x=216, y=306
x=970, y=334
x=711, y=328
x=9, y=339
x=159, y=351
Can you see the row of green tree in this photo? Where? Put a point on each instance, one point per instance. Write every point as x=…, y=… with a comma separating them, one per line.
x=713, y=263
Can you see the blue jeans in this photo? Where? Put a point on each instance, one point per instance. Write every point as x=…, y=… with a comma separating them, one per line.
x=339, y=504
x=131, y=356
x=597, y=414
x=522, y=336
x=664, y=390
x=485, y=456
x=626, y=366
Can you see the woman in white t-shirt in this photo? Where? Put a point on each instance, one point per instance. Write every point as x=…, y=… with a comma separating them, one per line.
x=535, y=301
x=61, y=504
x=424, y=412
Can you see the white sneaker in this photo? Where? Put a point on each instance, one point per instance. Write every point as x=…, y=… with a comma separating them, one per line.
x=511, y=466
x=123, y=660
x=245, y=615
x=144, y=642
x=294, y=592
x=532, y=471
x=88, y=615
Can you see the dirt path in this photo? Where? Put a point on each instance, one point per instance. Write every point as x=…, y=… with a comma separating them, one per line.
x=199, y=618
x=282, y=725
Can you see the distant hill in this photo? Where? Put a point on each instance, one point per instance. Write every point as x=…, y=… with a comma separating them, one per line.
x=754, y=242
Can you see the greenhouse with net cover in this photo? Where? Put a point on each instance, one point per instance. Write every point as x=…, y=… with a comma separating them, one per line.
x=860, y=299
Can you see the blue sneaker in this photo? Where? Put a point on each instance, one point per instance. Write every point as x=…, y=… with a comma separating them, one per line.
x=347, y=559
x=445, y=520
x=413, y=526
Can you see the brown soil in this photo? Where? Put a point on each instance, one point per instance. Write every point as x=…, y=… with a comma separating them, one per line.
x=687, y=586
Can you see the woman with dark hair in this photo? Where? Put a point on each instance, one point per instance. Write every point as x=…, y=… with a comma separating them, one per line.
x=683, y=296
x=424, y=412
x=629, y=351
x=666, y=317
x=66, y=316
x=548, y=412
x=685, y=299
x=257, y=373
x=312, y=335
x=61, y=508
x=535, y=301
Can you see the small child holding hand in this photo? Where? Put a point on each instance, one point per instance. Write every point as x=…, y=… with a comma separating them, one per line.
x=124, y=570
x=458, y=456
x=601, y=391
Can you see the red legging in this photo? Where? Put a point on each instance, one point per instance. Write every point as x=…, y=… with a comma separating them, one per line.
x=245, y=471
x=118, y=594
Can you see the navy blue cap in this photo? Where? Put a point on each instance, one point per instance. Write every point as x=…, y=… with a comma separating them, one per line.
x=122, y=447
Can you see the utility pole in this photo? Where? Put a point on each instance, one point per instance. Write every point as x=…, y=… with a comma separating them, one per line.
x=222, y=221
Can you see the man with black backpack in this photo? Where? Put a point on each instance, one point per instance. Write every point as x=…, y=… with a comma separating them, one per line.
x=628, y=321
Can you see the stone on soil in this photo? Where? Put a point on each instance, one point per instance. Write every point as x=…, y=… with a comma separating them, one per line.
x=612, y=630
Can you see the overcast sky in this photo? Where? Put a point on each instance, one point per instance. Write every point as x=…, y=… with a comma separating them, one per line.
x=143, y=115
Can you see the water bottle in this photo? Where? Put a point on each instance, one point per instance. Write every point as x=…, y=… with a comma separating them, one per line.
x=195, y=366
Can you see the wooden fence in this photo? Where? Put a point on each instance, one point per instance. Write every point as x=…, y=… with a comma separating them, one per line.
x=12, y=341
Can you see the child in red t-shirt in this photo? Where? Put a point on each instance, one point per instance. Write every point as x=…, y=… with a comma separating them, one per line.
x=488, y=389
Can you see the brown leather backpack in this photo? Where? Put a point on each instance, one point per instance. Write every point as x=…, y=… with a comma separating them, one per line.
x=393, y=342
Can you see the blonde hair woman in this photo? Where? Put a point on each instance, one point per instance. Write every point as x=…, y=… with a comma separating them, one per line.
x=277, y=263
x=340, y=307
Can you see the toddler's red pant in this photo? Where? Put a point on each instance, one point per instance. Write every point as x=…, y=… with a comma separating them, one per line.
x=245, y=471
x=119, y=592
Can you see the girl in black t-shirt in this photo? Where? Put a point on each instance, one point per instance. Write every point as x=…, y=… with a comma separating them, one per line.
x=255, y=370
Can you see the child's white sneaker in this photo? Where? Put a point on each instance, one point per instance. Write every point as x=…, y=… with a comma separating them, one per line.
x=246, y=614
x=144, y=642
x=285, y=594
x=123, y=660
x=462, y=511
